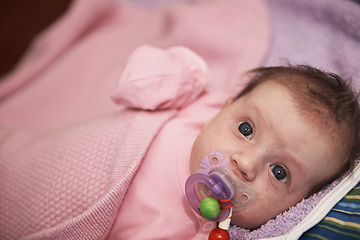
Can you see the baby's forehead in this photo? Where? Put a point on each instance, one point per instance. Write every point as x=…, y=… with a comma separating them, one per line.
x=311, y=109
x=291, y=82
x=268, y=89
x=297, y=94
x=297, y=88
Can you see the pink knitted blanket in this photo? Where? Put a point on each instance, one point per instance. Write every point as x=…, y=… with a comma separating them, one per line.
x=67, y=151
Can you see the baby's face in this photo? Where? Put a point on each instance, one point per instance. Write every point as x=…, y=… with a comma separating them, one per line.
x=270, y=147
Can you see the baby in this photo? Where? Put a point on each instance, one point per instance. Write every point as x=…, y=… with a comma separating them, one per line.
x=291, y=131
x=288, y=133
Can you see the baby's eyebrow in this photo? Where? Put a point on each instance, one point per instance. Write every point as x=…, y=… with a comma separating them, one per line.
x=259, y=119
x=259, y=115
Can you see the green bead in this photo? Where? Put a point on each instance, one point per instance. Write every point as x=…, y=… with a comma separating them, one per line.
x=209, y=208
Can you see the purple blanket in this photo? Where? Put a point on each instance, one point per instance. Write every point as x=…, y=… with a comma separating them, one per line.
x=323, y=33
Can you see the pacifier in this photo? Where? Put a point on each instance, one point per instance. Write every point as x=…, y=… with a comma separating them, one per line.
x=215, y=192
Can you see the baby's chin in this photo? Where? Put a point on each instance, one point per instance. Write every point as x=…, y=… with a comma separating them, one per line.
x=247, y=221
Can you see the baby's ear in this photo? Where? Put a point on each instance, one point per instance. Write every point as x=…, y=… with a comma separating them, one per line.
x=228, y=102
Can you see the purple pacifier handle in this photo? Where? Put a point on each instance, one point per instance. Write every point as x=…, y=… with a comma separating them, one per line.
x=215, y=187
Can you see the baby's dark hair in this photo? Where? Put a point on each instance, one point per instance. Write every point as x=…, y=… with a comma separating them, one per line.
x=325, y=100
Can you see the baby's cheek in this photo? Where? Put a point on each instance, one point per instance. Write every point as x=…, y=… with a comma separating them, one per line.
x=194, y=167
x=194, y=162
x=197, y=154
x=256, y=215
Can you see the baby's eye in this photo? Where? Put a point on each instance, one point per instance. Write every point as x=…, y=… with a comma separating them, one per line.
x=279, y=173
x=245, y=129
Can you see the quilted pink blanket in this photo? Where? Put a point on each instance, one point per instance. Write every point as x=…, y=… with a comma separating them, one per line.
x=67, y=151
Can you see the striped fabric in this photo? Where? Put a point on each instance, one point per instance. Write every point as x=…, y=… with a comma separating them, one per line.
x=342, y=222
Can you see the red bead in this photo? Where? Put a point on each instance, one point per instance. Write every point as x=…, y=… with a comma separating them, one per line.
x=219, y=234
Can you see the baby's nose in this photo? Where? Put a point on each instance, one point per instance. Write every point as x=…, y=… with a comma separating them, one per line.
x=244, y=165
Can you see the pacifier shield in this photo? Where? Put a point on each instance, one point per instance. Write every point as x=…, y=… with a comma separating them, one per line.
x=243, y=195
x=215, y=159
x=216, y=180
